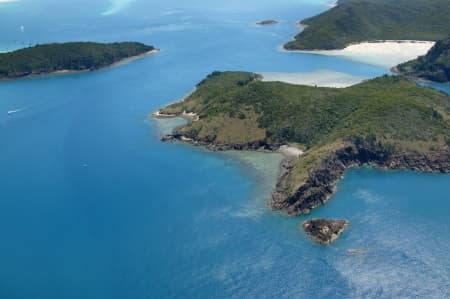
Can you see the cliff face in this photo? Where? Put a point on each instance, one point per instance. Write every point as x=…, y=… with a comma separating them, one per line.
x=321, y=182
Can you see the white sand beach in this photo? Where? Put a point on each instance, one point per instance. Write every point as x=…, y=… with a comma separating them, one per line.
x=191, y=116
x=321, y=78
x=290, y=151
x=381, y=53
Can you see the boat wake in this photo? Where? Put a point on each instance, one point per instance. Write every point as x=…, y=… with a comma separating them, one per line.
x=16, y=110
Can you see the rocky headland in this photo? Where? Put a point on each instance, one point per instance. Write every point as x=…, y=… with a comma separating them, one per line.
x=390, y=123
x=321, y=182
x=434, y=66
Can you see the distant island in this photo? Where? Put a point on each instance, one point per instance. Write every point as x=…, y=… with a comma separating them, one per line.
x=67, y=57
x=388, y=122
x=354, y=21
x=267, y=22
x=435, y=66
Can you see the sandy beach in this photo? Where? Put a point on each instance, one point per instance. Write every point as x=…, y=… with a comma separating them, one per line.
x=290, y=151
x=381, y=53
x=321, y=78
x=190, y=116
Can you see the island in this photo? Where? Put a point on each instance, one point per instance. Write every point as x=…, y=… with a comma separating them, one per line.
x=67, y=57
x=388, y=122
x=324, y=231
x=434, y=66
x=267, y=22
x=355, y=21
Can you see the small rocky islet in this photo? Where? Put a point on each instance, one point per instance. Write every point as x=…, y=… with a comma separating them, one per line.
x=267, y=22
x=324, y=231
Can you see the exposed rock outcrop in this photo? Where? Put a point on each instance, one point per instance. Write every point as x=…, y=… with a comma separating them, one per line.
x=324, y=231
x=267, y=22
x=210, y=144
x=321, y=182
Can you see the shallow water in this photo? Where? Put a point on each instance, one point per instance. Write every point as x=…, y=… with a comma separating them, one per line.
x=93, y=205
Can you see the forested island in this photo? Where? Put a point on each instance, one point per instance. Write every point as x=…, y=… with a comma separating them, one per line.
x=434, y=66
x=388, y=122
x=63, y=57
x=353, y=21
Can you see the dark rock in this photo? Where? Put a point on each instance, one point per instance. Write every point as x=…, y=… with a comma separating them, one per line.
x=322, y=181
x=324, y=231
x=168, y=138
x=267, y=22
x=434, y=66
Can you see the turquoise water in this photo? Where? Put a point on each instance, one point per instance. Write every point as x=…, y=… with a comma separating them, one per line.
x=93, y=206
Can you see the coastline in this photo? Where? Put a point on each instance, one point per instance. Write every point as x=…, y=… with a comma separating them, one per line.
x=73, y=72
x=385, y=53
x=321, y=183
x=309, y=179
x=288, y=152
x=394, y=70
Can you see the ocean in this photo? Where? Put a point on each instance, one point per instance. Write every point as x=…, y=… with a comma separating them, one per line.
x=93, y=205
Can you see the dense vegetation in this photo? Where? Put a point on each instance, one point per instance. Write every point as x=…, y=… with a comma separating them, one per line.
x=374, y=121
x=368, y=20
x=74, y=56
x=388, y=121
x=434, y=66
x=394, y=109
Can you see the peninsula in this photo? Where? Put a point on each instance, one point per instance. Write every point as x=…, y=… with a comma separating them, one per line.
x=67, y=57
x=388, y=122
x=434, y=66
x=356, y=21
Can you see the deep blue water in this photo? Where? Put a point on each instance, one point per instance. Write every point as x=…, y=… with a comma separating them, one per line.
x=92, y=205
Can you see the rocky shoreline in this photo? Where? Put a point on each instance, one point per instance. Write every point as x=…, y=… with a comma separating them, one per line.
x=324, y=231
x=209, y=144
x=321, y=183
